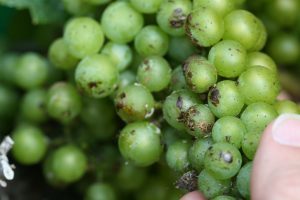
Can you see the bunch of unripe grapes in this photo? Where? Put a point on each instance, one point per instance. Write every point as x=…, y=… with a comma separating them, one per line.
x=179, y=83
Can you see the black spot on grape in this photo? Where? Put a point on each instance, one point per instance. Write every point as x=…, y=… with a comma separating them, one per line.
x=214, y=96
x=179, y=103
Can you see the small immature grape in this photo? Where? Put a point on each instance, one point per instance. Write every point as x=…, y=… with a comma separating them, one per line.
x=120, y=54
x=250, y=144
x=151, y=41
x=224, y=99
x=177, y=79
x=222, y=7
x=8, y=101
x=63, y=102
x=261, y=59
x=245, y=28
x=8, y=63
x=121, y=23
x=155, y=73
x=180, y=48
x=229, y=58
x=286, y=106
x=259, y=84
x=77, y=7
x=176, y=104
x=83, y=36
x=140, y=142
x=199, y=74
x=172, y=15
x=205, y=27
x=229, y=129
x=97, y=76
x=60, y=57
x=134, y=103
x=177, y=155
x=126, y=78
x=210, y=186
x=30, y=144
x=222, y=161
x=100, y=191
x=243, y=180
x=146, y=6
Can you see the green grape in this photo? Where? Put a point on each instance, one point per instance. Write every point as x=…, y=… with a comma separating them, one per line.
x=245, y=28
x=224, y=198
x=31, y=71
x=151, y=41
x=97, y=76
x=222, y=160
x=284, y=48
x=180, y=48
x=176, y=104
x=146, y=6
x=121, y=23
x=229, y=57
x=30, y=144
x=286, y=106
x=8, y=63
x=229, y=129
x=140, y=143
x=224, y=99
x=126, y=78
x=155, y=73
x=8, y=102
x=97, y=2
x=69, y=164
x=130, y=177
x=134, y=103
x=100, y=191
x=120, y=54
x=177, y=156
x=199, y=74
x=172, y=15
x=210, y=186
x=259, y=84
x=177, y=79
x=198, y=120
x=60, y=57
x=258, y=115
x=222, y=7
x=50, y=177
x=205, y=27
x=243, y=180
x=261, y=59
x=197, y=152
x=77, y=7
x=33, y=106
x=250, y=144
x=83, y=36
x=136, y=60
x=172, y=135
x=63, y=102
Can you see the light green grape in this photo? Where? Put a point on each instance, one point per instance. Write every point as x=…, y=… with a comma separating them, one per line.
x=146, y=6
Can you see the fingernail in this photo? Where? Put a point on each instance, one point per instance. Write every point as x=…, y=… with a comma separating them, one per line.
x=286, y=130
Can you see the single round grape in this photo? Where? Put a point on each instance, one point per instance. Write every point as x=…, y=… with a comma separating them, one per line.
x=120, y=54
x=8, y=63
x=31, y=71
x=210, y=186
x=126, y=78
x=197, y=152
x=243, y=180
x=8, y=102
x=258, y=115
x=97, y=76
x=177, y=79
x=286, y=106
x=177, y=156
x=97, y=2
x=259, y=84
x=50, y=177
x=121, y=23
x=100, y=191
x=229, y=129
x=134, y=103
x=33, y=106
x=151, y=41
x=229, y=58
x=180, y=48
x=83, y=36
x=63, y=102
x=245, y=28
x=60, y=57
x=261, y=59
x=176, y=104
x=30, y=144
x=69, y=163
x=225, y=99
x=222, y=7
x=250, y=144
x=224, y=198
x=155, y=73
x=77, y=7
x=140, y=142
x=172, y=15
x=223, y=160
x=198, y=120
x=205, y=27
x=146, y=6
x=199, y=74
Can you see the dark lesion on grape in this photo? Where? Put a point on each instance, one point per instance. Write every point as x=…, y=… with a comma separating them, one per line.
x=188, y=181
x=188, y=27
x=179, y=103
x=122, y=95
x=215, y=96
x=178, y=18
x=94, y=84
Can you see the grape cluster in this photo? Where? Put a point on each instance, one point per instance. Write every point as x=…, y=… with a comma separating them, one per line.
x=154, y=92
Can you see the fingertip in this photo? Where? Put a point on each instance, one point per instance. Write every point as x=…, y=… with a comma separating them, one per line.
x=193, y=196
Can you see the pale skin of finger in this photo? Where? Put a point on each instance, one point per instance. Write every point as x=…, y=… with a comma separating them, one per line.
x=193, y=196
